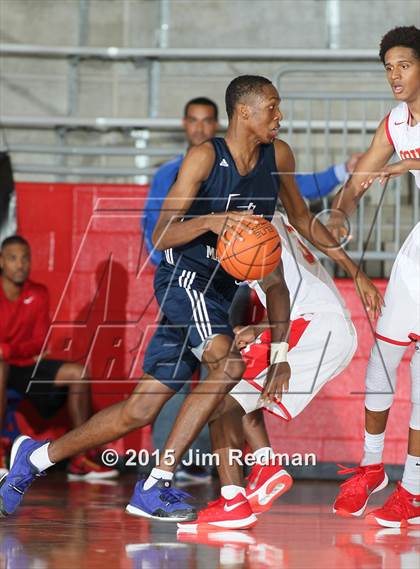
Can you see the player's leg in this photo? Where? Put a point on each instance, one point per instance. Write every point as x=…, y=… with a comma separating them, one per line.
x=398, y=320
x=225, y=367
x=403, y=506
x=328, y=340
x=232, y=510
x=79, y=404
x=30, y=458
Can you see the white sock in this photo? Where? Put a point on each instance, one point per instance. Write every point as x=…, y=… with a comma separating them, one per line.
x=230, y=491
x=373, y=449
x=411, y=477
x=264, y=455
x=156, y=475
x=40, y=459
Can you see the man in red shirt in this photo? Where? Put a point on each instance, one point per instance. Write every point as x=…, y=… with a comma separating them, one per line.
x=48, y=384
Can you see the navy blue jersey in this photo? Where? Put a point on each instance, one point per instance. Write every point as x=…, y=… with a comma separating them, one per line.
x=224, y=190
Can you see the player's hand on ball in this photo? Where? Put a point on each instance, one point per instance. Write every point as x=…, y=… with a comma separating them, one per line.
x=244, y=335
x=235, y=222
x=369, y=294
x=276, y=383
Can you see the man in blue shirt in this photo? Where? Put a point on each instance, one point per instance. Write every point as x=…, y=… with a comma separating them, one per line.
x=200, y=123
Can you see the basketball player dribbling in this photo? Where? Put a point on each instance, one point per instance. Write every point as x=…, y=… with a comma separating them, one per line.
x=321, y=343
x=219, y=184
x=399, y=325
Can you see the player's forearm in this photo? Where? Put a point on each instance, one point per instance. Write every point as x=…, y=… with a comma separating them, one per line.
x=321, y=238
x=347, y=199
x=278, y=312
x=176, y=233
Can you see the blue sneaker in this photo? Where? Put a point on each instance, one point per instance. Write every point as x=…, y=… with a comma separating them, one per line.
x=21, y=475
x=161, y=502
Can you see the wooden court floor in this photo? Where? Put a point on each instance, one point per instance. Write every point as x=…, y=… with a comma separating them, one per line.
x=66, y=525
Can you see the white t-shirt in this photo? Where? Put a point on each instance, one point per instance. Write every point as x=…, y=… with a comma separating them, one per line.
x=311, y=288
x=403, y=137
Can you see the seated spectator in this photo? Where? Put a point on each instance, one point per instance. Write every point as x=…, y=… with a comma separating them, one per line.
x=200, y=123
x=47, y=383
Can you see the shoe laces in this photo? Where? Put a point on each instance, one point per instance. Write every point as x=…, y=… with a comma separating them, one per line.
x=398, y=502
x=173, y=495
x=23, y=484
x=352, y=484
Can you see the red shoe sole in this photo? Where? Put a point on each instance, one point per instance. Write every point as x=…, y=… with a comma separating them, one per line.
x=277, y=488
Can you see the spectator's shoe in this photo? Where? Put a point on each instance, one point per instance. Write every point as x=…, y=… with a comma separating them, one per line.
x=22, y=473
x=82, y=467
x=229, y=514
x=192, y=475
x=356, y=491
x=161, y=502
x=3, y=461
x=265, y=485
x=400, y=510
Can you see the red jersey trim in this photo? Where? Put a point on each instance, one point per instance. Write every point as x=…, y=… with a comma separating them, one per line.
x=391, y=341
x=388, y=134
x=414, y=337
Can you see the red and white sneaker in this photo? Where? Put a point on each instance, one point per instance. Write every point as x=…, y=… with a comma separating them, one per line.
x=356, y=491
x=82, y=467
x=230, y=514
x=265, y=485
x=400, y=510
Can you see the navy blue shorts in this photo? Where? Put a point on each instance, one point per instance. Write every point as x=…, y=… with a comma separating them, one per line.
x=190, y=317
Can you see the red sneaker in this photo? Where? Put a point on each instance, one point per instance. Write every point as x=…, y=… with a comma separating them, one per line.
x=82, y=467
x=356, y=491
x=233, y=514
x=400, y=510
x=266, y=484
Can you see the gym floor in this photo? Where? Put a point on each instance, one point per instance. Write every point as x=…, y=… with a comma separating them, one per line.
x=66, y=525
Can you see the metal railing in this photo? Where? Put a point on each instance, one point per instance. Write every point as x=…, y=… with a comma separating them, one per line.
x=316, y=124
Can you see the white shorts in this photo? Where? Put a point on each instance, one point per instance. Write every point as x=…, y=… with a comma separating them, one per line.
x=320, y=346
x=399, y=322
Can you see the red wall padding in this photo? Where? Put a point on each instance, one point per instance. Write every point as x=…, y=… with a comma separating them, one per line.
x=88, y=249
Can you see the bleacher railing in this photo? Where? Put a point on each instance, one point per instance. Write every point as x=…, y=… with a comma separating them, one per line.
x=316, y=123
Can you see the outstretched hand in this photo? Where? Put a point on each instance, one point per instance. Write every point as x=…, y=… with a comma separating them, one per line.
x=369, y=294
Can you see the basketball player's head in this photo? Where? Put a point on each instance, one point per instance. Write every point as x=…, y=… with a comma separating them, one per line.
x=200, y=120
x=254, y=101
x=400, y=53
x=15, y=259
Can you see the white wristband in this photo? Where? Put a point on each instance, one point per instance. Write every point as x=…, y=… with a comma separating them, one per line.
x=278, y=352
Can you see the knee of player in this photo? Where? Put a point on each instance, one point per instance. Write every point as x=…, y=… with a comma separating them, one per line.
x=71, y=372
x=136, y=413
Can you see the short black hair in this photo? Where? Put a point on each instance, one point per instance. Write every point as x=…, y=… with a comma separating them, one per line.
x=14, y=240
x=202, y=101
x=241, y=87
x=405, y=36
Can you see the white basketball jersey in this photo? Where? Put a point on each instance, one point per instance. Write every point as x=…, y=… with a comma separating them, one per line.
x=311, y=288
x=403, y=137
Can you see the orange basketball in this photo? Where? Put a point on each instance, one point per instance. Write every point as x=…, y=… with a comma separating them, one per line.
x=253, y=258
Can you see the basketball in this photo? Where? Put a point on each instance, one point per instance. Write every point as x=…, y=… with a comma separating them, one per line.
x=253, y=258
